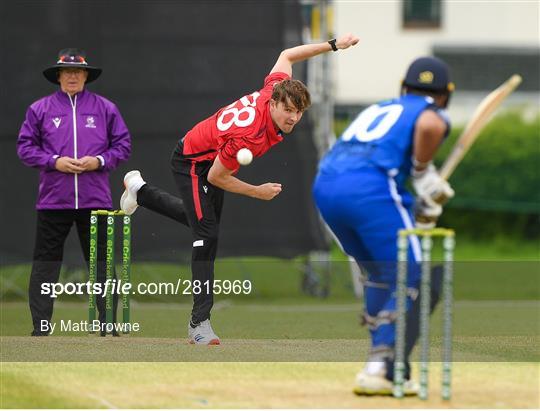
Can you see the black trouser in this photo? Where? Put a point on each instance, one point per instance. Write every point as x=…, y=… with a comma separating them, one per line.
x=199, y=207
x=52, y=229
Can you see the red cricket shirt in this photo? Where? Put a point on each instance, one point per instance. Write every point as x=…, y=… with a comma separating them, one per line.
x=246, y=123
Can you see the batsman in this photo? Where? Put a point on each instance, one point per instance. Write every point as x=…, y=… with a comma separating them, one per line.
x=361, y=194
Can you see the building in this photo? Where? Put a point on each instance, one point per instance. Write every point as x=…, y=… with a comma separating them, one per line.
x=484, y=42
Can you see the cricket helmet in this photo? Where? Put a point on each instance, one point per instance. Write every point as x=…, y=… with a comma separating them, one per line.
x=429, y=73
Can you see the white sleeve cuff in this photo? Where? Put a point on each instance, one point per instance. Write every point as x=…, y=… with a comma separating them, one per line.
x=101, y=160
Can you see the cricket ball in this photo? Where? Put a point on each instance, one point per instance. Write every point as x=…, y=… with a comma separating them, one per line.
x=244, y=156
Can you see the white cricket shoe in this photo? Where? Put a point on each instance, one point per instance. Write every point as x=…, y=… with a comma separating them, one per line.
x=132, y=182
x=369, y=384
x=202, y=334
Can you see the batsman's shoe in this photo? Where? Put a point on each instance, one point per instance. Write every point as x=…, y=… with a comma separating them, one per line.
x=132, y=182
x=367, y=384
x=202, y=334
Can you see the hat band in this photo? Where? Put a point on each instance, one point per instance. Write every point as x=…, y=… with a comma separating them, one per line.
x=83, y=63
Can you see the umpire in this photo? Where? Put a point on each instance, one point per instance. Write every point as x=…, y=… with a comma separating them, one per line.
x=74, y=138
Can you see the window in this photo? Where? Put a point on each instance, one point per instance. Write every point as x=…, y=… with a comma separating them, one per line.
x=422, y=13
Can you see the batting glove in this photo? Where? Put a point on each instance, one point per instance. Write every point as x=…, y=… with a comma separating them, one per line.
x=428, y=184
x=426, y=212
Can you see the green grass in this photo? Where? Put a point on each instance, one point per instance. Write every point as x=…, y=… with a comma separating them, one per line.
x=503, y=269
x=303, y=348
x=280, y=331
x=277, y=340
x=249, y=385
x=307, y=352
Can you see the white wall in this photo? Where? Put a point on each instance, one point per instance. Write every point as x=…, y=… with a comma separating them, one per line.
x=374, y=69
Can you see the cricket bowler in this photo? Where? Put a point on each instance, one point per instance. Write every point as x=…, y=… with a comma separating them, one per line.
x=204, y=164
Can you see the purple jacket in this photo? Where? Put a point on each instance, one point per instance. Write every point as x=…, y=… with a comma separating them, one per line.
x=83, y=125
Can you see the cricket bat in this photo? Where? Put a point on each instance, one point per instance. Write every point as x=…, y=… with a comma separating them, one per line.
x=479, y=119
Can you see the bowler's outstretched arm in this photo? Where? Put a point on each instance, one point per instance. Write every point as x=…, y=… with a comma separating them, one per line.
x=300, y=53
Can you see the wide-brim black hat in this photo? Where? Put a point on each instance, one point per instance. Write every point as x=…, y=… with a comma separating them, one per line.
x=72, y=58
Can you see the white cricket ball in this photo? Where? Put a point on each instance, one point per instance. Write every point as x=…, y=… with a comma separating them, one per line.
x=244, y=156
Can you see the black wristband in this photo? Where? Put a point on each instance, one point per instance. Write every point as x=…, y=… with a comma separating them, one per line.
x=333, y=44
